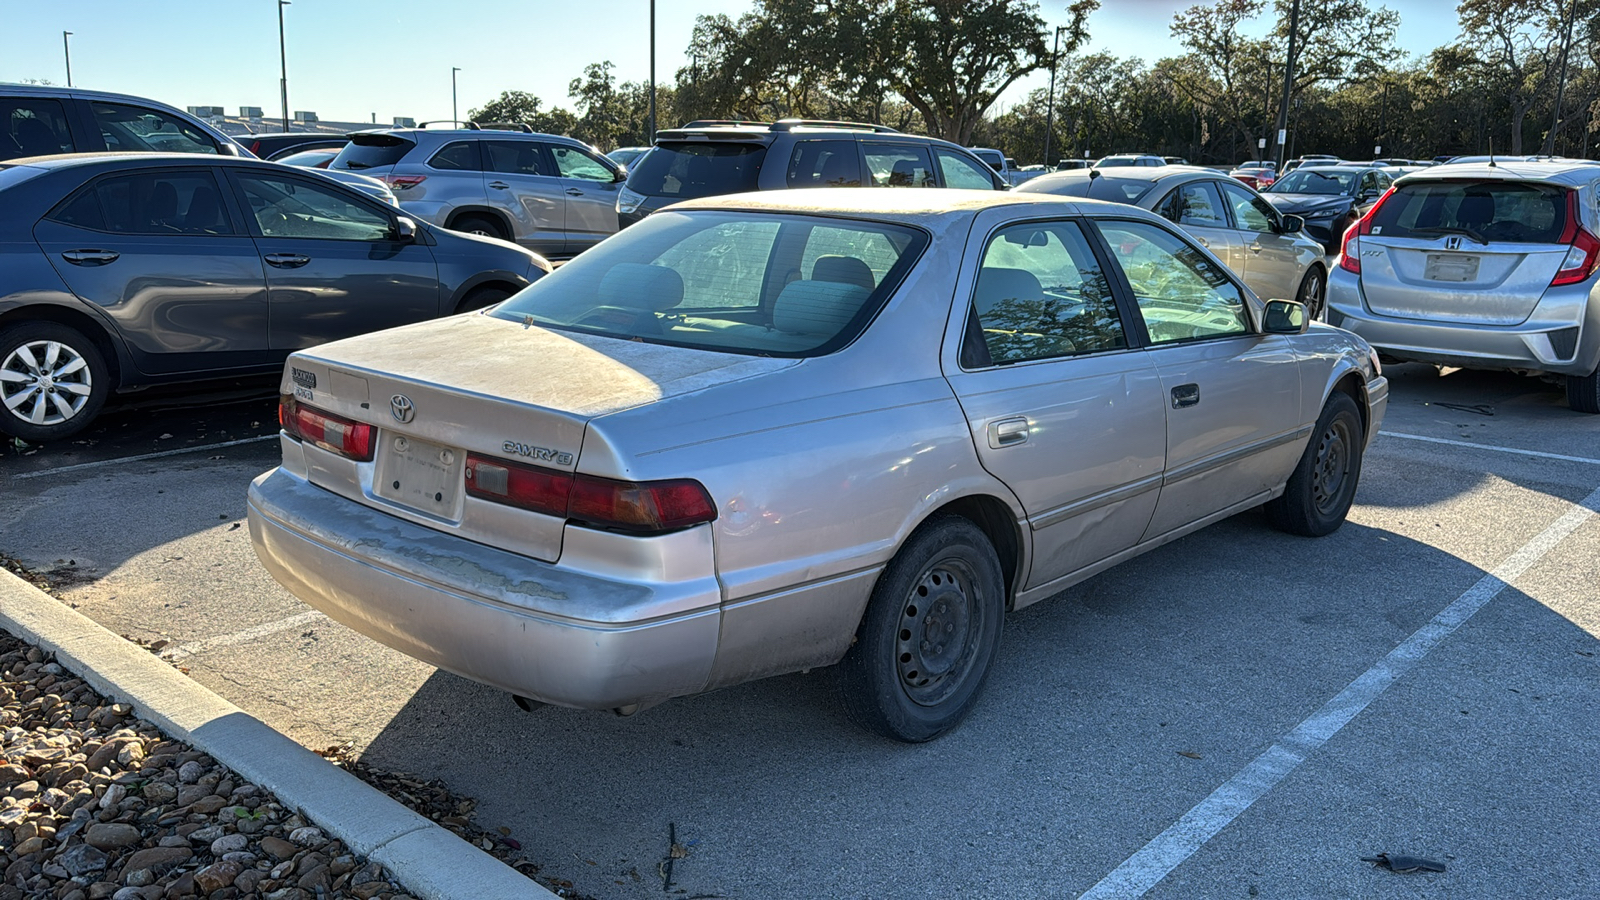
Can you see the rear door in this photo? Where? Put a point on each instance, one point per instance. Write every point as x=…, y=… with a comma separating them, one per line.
x=33, y=126
x=160, y=252
x=1271, y=259
x=523, y=181
x=1197, y=208
x=591, y=188
x=335, y=265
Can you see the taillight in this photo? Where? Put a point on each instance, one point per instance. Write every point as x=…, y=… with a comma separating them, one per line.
x=1583, y=253
x=637, y=507
x=345, y=437
x=404, y=182
x=1350, y=248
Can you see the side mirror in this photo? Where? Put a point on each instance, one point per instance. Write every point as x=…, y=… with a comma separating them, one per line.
x=405, y=229
x=1292, y=224
x=1284, y=317
x=620, y=175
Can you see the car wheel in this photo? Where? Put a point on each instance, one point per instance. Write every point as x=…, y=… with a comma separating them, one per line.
x=484, y=296
x=483, y=225
x=53, y=381
x=929, y=636
x=1314, y=293
x=1583, y=392
x=1319, y=493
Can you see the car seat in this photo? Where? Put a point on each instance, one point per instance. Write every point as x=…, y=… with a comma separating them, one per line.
x=36, y=138
x=843, y=270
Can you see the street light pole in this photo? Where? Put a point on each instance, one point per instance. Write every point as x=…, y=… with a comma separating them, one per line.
x=1050, y=105
x=652, y=136
x=1288, y=81
x=67, y=50
x=455, y=118
x=283, y=62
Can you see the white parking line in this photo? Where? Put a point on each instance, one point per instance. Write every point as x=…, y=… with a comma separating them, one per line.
x=241, y=637
x=1539, y=453
x=143, y=456
x=1145, y=869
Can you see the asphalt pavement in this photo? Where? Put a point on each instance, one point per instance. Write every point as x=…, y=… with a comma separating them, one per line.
x=1238, y=714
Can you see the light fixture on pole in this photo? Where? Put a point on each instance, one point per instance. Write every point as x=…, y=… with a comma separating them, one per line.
x=283, y=63
x=454, y=118
x=1050, y=104
x=67, y=50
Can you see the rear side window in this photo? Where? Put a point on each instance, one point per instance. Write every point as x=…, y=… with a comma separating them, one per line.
x=824, y=164
x=371, y=151
x=1040, y=294
x=457, y=155
x=1501, y=211
x=139, y=128
x=33, y=127
x=684, y=170
x=899, y=165
x=517, y=158
x=149, y=203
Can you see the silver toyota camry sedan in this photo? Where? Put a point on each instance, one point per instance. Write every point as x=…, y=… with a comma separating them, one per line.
x=756, y=434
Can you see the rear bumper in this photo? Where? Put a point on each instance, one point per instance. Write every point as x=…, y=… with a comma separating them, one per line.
x=1561, y=337
x=495, y=617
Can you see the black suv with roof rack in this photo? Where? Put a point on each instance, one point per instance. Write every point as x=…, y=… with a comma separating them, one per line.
x=707, y=157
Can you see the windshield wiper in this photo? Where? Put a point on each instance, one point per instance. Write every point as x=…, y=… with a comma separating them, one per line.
x=1453, y=229
x=352, y=164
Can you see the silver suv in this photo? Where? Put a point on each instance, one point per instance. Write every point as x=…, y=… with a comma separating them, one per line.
x=1481, y=265
x=554, y=195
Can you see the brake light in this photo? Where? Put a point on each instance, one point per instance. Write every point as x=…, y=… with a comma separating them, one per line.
x=1350, y=249
x=647, y=507
x=1583, y=253
x=404, y=182
x=346, y=437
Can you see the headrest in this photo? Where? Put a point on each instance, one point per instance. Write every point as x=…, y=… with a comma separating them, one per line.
x=817, y=307
x=637, y=286
x=1475, y=209
x=996, y=285
x=843, y=269
x=163, y=201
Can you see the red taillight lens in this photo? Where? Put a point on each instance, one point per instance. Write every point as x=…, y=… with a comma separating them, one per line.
x=404, y=182
x=345, y=437
x=1583, y=255
x=636, y=507
x=1350, y=248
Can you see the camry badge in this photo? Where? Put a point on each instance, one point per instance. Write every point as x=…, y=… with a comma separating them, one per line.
x=401, y=407
x=1453, y=242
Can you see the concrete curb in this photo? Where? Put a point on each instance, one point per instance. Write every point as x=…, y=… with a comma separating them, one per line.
x=430, y=861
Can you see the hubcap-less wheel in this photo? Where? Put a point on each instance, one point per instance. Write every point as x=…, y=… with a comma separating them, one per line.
x=936, y=639
x=45, y=382
x=1311, y=294
x=1331, y=468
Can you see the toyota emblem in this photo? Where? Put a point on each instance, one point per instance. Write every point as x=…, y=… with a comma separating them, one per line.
x=400, y=405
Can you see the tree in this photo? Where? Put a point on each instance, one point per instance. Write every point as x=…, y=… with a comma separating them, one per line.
x=1516, y=43
x=1223, y=67
x=523, y=107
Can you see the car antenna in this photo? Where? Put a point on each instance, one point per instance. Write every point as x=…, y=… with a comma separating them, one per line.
x=1491, y=153
x=1093, y=173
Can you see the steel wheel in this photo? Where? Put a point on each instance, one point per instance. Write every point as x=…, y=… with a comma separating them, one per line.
x=1332, y=466
x=938, y=636
x=45, y=382
x=1318, y=494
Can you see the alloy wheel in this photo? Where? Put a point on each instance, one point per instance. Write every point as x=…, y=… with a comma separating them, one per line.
x=45, y=382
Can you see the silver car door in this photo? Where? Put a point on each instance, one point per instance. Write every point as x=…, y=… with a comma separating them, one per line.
x=522, y=180
x=1232, y=395
x=1272, y=261
x=591, y=188
x=1197, y=208
x=1059, y=407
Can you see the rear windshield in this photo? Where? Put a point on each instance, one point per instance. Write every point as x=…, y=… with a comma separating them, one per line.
x=1485, y=211
x=683, y=170
x=765, y=285
x=1100, y=187
x=371, y=151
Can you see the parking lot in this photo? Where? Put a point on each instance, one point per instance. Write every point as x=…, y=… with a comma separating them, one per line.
x=1241, y=713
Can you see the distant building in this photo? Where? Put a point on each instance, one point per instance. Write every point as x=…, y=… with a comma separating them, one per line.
x=249, y=112
x=404, y=122
x=304, y=115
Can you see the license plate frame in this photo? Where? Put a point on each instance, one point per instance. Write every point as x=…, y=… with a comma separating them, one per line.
x=1451, y=267
x=419, y=475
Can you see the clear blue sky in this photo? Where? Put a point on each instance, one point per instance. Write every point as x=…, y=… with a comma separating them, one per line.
x=351, y=58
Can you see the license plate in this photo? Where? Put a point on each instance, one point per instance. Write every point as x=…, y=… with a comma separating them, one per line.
x=1451, y=267
x=423, y=476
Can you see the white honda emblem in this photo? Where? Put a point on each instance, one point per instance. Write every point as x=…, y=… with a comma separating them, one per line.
x=1453, y=242
x=400, y=406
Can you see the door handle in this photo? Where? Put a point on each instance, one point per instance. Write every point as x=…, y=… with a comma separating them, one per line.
x=1255, y=248
x=1185, y=395
x=574, y=192
x=1203, y=242
x=1008, y=432
x=90, y=257
x=499, y=185
x=286, y=260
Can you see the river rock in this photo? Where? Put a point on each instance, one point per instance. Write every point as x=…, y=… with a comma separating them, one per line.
x=111, y=835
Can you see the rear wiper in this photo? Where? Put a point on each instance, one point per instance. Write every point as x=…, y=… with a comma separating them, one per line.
x=1453, y=229
x=352, y=164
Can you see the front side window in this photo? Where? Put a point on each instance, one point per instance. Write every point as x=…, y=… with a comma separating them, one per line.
x=824, y=164
x=1041, y=293
x=962, y=172
x=139, y=128
x=574, y=163
x=899, y=165
x=285, y=207
x=1250, y=213
x=150, y=203
x=517, y=158
x=1182, y=295
x=1195, y=203
x=767, y=285
x=32, y=126
x=457, y=156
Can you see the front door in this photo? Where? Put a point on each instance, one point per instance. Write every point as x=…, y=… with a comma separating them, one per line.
x=1059, y=407
x=335, y=264
x=522, y=180
x=591, y=189
x=159, y=252
x=1232, y=395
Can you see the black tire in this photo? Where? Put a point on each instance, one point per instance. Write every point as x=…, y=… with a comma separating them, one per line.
x=481, y=297
x=1583, y=392
x=929, y=636
x=480, y=224
x=1313, y=293
x=1319, y=493
x=40, y=403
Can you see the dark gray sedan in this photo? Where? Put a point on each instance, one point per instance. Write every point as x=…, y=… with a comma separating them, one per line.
x=119, y=271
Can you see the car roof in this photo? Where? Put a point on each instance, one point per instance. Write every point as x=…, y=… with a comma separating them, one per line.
x=1151, y=174
x=55, y=90
x=908, y=205
x=1570, y=172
